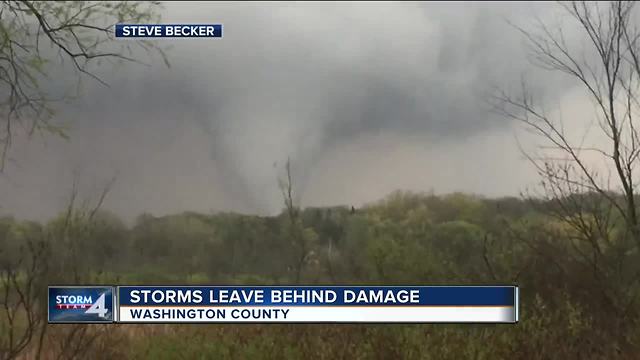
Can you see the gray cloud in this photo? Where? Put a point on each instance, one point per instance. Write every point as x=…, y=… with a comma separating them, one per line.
x=364, y=98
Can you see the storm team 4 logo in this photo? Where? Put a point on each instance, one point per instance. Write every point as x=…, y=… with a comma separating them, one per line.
x=80, y=304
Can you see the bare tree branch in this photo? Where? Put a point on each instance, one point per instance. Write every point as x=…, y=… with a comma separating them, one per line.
x=600, y=213
x=79, y=32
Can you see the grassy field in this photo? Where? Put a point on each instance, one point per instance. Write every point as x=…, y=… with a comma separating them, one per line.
x=569, y=308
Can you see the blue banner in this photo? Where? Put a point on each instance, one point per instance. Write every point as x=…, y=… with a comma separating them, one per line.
x=169, y=30
x=77, y=304
x=317, y=295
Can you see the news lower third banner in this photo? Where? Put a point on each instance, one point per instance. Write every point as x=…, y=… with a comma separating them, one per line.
x=284, y=304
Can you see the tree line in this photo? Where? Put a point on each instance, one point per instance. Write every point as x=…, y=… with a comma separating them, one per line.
x=406, y=238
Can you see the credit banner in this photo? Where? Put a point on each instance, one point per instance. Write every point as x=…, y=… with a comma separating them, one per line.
x=168, y=30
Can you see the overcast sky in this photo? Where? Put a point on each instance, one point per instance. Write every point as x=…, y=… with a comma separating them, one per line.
x=365, y=98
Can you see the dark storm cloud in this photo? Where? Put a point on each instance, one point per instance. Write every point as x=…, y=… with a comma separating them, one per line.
x=290, y=80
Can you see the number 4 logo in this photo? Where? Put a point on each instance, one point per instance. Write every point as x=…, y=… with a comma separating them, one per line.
x=98, y=307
